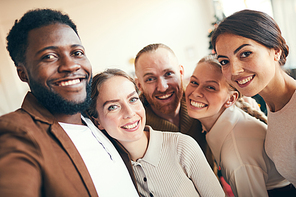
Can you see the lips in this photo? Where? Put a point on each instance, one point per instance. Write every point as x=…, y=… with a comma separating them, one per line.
x=131, y=126
x=69, y=82
x=165, y=96
x=197, y=104
x=245, y=80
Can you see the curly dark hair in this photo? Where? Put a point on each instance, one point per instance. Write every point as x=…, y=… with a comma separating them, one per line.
x=17, y=39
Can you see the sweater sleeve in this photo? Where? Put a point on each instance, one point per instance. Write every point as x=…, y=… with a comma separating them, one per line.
x=197, y=168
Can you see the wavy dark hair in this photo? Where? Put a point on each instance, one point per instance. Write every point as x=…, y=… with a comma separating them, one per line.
x=17, y=39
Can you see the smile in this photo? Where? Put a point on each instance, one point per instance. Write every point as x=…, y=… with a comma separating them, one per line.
x=246, y=80
x=197, y=104
x=131, y=126
x=69, y=82
x=163, y=97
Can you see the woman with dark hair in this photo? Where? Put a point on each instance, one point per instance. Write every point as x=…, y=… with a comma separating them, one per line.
x=251, y=51
x=235, y=132
x=165, y=163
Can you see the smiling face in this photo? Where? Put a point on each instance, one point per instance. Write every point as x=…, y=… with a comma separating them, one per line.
x=56, y=65
x=208, y=93
x=247, y=65
x=159, y=77
x=120, y=112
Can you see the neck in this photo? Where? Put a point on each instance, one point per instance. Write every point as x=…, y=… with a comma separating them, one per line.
x=71, y=119
x=208, y=122
x=173, y=117
x=279, y=91
x=137, y=149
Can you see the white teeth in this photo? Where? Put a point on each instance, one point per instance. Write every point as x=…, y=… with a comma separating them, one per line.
x=196, y=104
x=245, y=80
x=70, y=82
x=131, y=126
x=165, y=96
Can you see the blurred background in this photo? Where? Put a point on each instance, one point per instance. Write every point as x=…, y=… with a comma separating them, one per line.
x=114, y=31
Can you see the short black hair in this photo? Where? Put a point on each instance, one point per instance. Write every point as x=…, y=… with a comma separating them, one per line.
x=17, y=39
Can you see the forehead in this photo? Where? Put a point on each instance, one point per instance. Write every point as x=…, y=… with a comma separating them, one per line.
x=52, y=35
x=157, y=61
x=115, y=87
x=208, y=72
x=230, y=42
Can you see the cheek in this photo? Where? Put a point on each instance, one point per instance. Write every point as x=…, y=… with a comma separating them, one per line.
x=106, y=121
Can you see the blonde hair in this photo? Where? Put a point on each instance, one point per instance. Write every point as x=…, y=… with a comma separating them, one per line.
x=240, y=102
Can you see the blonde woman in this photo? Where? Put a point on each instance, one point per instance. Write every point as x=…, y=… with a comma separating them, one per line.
x=235, y=137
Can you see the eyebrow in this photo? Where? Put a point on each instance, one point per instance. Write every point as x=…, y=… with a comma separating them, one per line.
x=165, y=71
x=239, y=48
x=56, y=47
x=206, y=81
x=116, y=100
x=235, y=51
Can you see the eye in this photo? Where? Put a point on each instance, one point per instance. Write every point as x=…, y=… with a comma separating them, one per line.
x=134, y=99
x=194, y=83
x=112, y=107
x=246, y=54
x=78, y=53
x=224, y=62
x=150, y=79
x=48, y=57
x=211, y=88
x=167, y=74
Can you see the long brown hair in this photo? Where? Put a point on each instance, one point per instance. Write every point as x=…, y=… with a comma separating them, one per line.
x=254, y=25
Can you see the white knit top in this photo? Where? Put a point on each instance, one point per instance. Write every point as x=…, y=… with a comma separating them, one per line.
x=280, y=141
x=175, y=166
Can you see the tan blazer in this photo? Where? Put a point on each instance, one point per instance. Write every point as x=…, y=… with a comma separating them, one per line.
x=37, y=158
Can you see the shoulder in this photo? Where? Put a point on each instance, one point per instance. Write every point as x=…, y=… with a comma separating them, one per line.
x=180, y=141
x=21, y=127
x=249, y=125
x=17, y=119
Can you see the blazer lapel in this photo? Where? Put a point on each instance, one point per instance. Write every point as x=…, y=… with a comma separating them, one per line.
x=71, y=150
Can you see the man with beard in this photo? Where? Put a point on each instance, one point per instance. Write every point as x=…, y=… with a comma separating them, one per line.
x=159, y=77
x=47, y=148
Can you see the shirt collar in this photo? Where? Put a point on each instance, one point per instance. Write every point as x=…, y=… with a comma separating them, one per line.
x=152, y=154
x=223, y=126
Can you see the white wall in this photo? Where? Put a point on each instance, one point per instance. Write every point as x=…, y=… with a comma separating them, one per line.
x=113, y=32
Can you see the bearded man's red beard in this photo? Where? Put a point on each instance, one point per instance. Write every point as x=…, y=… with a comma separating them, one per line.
x=166, y=108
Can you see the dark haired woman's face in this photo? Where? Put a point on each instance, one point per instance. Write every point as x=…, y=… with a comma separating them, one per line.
x=246, y=64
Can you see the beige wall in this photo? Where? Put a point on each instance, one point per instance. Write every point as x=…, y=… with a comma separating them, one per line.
x=113, y=32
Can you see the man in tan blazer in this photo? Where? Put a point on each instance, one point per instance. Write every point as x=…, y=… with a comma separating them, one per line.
x=47, y=148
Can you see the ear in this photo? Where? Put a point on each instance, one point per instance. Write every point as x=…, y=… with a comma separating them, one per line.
x=138, y=84
x=233, y=97
x=97, y=123
x=22, y=72
x=277, y=54
x=182, y=70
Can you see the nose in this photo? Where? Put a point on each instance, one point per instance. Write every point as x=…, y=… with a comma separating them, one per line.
x=68, y=64
x=197, y=92
x=162, y=85
x=128, y=112
x=236, y=68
